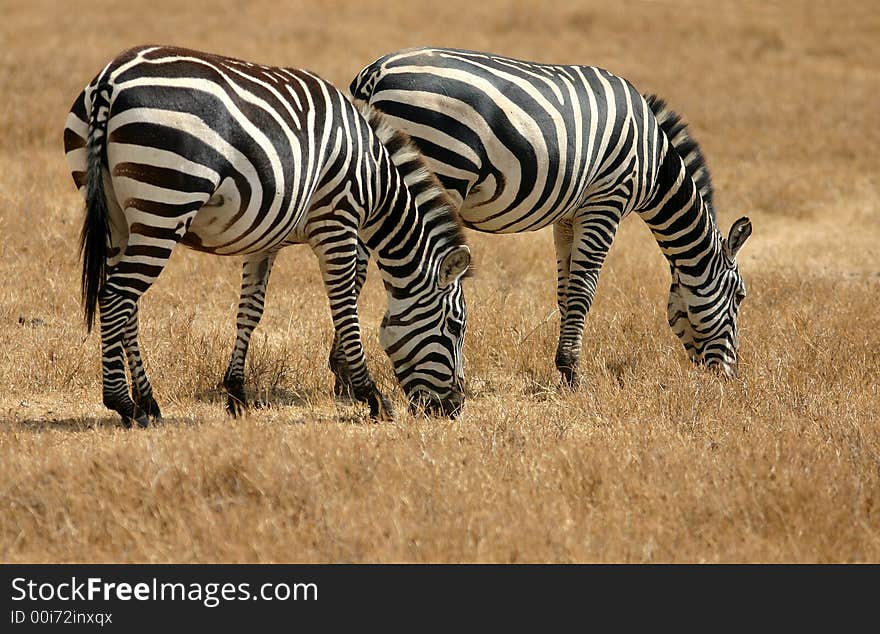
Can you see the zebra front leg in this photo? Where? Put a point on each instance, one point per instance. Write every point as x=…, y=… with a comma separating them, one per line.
x=591, y=237
x=562, y=239
x=337, y=253
x=254, y=279
x=142, y=391
x=343, y=388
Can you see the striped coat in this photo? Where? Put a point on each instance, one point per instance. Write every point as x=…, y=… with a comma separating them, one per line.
x=172, y=146
x=521, y=146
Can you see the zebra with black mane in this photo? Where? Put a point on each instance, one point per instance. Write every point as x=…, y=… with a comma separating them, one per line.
x=228, y=157
x=521, y=146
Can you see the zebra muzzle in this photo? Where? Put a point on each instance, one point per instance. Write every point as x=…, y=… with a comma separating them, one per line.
x=727, y=370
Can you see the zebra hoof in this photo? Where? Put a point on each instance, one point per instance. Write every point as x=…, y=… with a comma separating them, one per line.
x=381, y=409
x=343, y=391
x=236, y=401
x=570, y=378
x=567, y=364
x=142, y=421
x=235, y=407
x=150, y=408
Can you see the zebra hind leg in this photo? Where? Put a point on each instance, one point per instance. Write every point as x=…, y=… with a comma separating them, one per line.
x=142, y=391
x=143, y=259
x=116, y=310
x=254, y=279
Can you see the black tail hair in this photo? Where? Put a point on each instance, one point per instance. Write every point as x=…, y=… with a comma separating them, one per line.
x=96, y=224
x=687, y=147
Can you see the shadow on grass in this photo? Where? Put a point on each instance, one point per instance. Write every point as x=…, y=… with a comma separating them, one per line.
x=79, y=424
x=261, y=399
x=346, y=411
x=74, y=424
x=296, y=407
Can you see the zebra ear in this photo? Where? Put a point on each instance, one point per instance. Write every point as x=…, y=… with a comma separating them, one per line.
x=454, y=265
x=739, y=232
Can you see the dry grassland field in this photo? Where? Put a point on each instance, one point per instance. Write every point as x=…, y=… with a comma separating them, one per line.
x=651, y=460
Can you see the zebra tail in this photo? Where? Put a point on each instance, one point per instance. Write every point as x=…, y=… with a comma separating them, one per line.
x=96, y=224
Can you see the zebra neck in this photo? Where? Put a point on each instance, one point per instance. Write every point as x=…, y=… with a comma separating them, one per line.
x=684, y=228
x=414, y=222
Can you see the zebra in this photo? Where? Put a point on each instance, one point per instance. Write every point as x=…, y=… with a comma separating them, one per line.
x=521, y=146
x=173, y=146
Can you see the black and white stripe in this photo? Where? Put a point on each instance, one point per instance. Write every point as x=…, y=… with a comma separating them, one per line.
x=521, y=146
x=228, y=157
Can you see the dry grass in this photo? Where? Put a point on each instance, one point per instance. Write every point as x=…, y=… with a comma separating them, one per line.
x=652, y=460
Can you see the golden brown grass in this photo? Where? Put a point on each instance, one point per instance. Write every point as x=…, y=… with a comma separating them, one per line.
x=652, y=460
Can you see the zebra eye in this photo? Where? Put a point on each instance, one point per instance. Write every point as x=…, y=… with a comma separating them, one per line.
x=454, y=328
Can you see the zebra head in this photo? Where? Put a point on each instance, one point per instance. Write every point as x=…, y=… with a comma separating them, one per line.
x=423, y=337
x=704, y=317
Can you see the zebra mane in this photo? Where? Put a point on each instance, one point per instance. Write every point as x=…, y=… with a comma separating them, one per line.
x=686, y=146
x=424, y=186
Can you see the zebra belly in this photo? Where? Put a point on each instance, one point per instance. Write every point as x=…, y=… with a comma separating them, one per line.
x=485, y=218
x=222, y=227
x=208, y=230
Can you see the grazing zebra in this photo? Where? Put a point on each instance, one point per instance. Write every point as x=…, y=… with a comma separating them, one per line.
x=228, y=157
x=521, y=146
